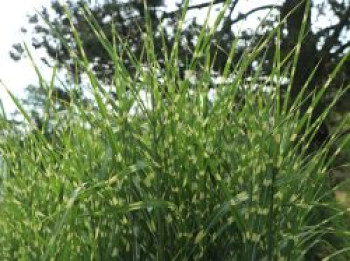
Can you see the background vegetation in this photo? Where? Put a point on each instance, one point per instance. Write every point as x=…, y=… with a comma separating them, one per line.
x=324, y=43
x=181, y=173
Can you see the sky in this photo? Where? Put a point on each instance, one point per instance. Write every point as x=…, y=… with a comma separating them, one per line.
x=17, y=75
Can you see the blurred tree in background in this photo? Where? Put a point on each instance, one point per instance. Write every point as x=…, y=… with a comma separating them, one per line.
x=326, y=38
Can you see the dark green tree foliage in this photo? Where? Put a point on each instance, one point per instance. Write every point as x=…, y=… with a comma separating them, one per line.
x=128, y=18
x=322, y=48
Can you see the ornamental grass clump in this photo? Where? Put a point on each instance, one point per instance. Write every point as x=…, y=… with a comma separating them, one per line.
x=176, y=175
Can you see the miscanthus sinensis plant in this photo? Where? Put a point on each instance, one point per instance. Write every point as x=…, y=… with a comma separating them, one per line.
x=182, y=177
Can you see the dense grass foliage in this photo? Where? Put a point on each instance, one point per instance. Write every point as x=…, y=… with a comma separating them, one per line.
x=178, y=176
